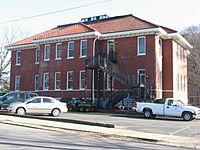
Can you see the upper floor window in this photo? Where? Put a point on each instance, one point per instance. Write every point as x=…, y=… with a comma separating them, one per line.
x=57, y=80
x=82, y=80
x=37, y=56
x=83, y=48
x=36, y=87
x=58, y=50
x=111, y=50
x=69, y=80
x=141, y=45
x=70, y=47
x=18, y=57
x=47, y=52
x=46, y=81
x=17, y=83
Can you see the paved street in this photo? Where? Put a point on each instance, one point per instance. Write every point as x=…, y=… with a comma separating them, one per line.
x=169, y=126
x=23, y=138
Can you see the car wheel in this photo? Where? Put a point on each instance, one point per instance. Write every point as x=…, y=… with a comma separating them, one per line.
x=148, y=113
x=55, y=112
x=81, y=109
x=21, y=111
x=187, y=116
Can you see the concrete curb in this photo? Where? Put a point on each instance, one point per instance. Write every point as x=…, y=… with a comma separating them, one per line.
x=63, y=120
x=177, y=141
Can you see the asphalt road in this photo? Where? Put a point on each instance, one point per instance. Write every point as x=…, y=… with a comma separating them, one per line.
x=24, y=138
x=162, y=125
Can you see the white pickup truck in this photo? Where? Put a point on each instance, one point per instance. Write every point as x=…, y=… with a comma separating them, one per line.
x=168, y=107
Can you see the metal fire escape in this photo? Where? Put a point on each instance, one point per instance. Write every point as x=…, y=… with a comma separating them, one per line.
x=108, y=66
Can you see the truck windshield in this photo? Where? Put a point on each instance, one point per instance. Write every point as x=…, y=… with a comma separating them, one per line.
x=181, y=103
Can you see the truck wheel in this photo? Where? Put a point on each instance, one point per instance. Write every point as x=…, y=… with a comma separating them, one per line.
x=187, y=116
x=148, y=113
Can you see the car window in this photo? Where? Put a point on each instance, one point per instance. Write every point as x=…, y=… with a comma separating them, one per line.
x=11, y=96
x=33, y=94
x=159, y=101
x=172, y=103
x=22, y=96
x=35, y=100
x=47, y=100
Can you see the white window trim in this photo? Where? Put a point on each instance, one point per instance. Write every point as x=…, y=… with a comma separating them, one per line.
x=36, y=51
x=80, y=80
x=68, y=50
x=56, y=80
x=16, y=59
x=67, y=80
x=141, y=37
x=44, y=81
x=35, y=83
x=82, y=56
x=45, y=52
x=16, y=83
x=56, y=57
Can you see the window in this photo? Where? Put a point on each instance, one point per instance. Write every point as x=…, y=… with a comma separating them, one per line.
x=37, y=56
x=17, y=83
x=111, y=50
x=181, y=83
x=70, y=52
x=109, y=82
x=46, y=81
x=35, y=100
x=141, y=45
x=47, y=100
x=36, y=87
x=58, y=51
x=18, y=57
x=70, y=80
x=82, y=80
x=47, y=52
x=177, y=81
x=160, y=47
x=57, y=80
x=160, y=79
x=83, y=48
x=22, y=96
x=177, y=51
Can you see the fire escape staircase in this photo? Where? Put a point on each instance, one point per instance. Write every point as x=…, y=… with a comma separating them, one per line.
x=112, y=70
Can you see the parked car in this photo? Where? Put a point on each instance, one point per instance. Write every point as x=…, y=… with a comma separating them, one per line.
x=168, y=107
x=17, y=96
x=39, y=105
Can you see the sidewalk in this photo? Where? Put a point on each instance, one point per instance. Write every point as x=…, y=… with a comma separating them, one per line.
x=185, y=142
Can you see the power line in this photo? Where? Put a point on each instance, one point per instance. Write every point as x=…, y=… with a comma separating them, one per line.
x=54, y=12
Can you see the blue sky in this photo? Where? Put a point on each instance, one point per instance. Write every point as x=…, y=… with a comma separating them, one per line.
x=175, y=14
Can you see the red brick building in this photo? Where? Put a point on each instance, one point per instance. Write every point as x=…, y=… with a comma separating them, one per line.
x=124, y=54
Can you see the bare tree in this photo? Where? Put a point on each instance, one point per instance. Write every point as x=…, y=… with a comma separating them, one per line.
x=9, y=35
x=192, y=35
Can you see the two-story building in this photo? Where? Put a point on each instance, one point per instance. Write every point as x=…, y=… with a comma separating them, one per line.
x=102, y=57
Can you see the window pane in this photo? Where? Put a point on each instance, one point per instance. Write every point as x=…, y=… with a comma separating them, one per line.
x=70, y=49
x=57, y=80
x=70, y=80
x=141, y=45
x=58, y=50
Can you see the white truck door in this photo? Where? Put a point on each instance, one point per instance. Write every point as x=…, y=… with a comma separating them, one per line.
x=172, y=108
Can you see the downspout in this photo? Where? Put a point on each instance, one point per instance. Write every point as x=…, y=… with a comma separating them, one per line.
x=93, y=56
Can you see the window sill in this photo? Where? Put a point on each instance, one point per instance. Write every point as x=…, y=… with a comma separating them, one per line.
x=70, y=58
x=141, y=54
x=17, y=64
x=46, y=59
x=37, y=63
x=82, y=56
x=58, y=59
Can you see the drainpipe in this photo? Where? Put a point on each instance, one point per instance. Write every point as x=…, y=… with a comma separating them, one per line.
x=93, y=55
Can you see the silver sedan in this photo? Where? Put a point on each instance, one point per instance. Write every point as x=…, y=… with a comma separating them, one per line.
x=39, y=104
